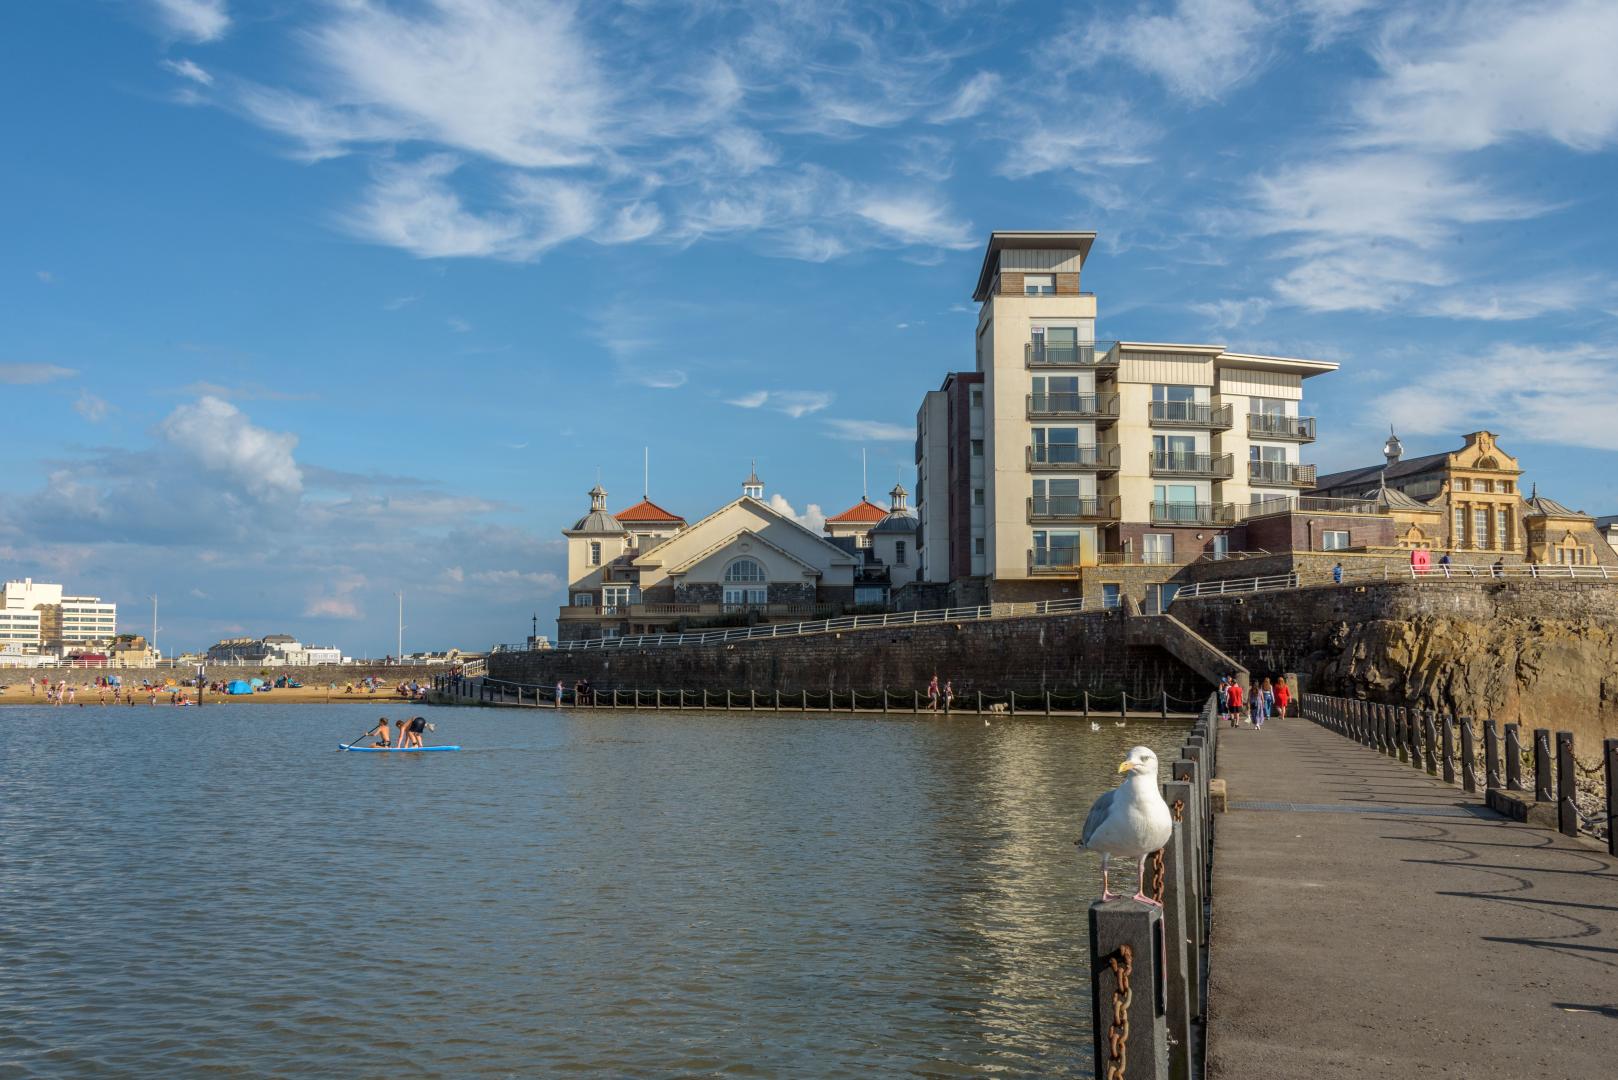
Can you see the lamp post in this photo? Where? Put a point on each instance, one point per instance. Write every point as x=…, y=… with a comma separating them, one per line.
x=200, y=683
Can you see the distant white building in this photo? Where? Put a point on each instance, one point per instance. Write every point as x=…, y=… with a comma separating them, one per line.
x=273, y=650
x=37, y=614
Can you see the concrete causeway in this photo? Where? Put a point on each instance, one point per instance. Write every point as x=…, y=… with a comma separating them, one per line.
x=1371, y=921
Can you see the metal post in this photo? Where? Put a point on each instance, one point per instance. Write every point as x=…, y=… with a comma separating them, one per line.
x=1567, y=786
x=778, y=701
x=704, y=699
x=1609, y=758
x=1123, y=704
x=1047, y=703
x=1011, y=699
x=1429, y=741
x=915, y=701
x=1542, y=765
x=1126, y=980
x=1183, y=960
x=1400, y=732
x=1514, y=757
x=752, y=700
x=980, y=702
x=806, y=701
x=1087, y=704
x=1165, y=704
x=1491, y=755
x=1449, y=748
x=1469, y=756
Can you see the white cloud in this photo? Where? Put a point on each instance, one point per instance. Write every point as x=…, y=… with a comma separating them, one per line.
x=1087, y=135
x=1200, y=50
x=1514, y=301
x=197, y=20
x=812, y=518
x=216, y=435
x=870, y=430
x=795, y=403
x=186, y=69
x=1566, y=395
x=1474, y=75
x=917, y=218
x=398, y=302
x=1229, y=314
x=31, y=374
x=459, y=325
x=91, y=407
x=972, y=98
x=665, y=379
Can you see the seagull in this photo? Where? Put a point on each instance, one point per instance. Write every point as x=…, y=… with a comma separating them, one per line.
x=1130, y=821
x=1094, y=726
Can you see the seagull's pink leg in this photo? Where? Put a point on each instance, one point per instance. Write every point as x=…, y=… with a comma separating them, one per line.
x=1140, y=885
x=1106, y=891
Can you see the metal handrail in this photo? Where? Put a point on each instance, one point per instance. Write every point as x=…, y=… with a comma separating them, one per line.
x=1189, y=413
x=1067, y=403
x=1277, y=426
x=1083, y=354
x=1074, y=507
x=822, y=626
x=1281, y=472
x=1072, y=456
x=1193, y=513
x=1184, y=463
x=1434, y=572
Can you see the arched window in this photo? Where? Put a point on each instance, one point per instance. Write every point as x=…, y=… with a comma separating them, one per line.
x=745, y=570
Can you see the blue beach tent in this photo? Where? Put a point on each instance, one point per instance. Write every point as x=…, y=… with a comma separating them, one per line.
x=239, y=687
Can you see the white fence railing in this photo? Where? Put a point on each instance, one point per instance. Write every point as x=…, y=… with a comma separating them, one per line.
x=822, y=626
x=1357, y=576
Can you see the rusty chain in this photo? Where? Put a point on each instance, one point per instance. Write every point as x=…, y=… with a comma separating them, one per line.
x=1123, y=965
x=1158, y=875
x=1179, y=809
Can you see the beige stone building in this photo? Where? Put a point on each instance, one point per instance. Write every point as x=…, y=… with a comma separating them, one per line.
x=1092, y=452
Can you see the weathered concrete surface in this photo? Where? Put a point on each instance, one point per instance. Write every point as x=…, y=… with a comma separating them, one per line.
x=1397, y=944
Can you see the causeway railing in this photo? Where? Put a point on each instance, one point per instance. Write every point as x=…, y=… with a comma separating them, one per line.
x=822, y=626
x=1359, y=575
x=1448, y=746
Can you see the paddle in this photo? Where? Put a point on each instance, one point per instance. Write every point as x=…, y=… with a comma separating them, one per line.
x=362, y=735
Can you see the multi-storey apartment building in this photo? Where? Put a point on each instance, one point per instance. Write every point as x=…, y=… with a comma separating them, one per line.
x=1095, y=453
x=37, y=614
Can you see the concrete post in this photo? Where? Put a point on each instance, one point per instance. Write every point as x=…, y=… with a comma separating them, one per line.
x=1609, y=760
x=980, y=702
x=1542, y=765
x=1047, y=703
x=1491, y=755
x=1165, y=705
x=1123, y=704
x=1469, y=756
x=806, y=701
x=1567, y=786
x=1188, y=770
x=1086, y=704
x=1399, y=731
x=1132, y=935
x=1449, y=748
x=1429, y=741
x=1514, y=757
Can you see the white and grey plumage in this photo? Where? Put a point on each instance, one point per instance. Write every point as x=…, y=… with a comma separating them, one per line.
x=1130, y=821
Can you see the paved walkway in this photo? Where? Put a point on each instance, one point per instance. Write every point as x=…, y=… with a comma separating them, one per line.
x=1370, y=921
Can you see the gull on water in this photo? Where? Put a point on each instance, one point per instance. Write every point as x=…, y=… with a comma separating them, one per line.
x=1131, y=821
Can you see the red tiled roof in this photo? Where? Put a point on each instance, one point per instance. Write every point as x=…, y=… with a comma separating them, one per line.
x=648, y=512
x=862, y=512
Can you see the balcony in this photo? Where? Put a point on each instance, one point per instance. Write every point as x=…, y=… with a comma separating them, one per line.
x=1072, y=457
x=1059, y=561
x=1071, y=509
x=1271, y=426
x=1101, y=356
x=1280, y=474
x=1196, y=466
x=1189, y=414
x=1102, y=408
x=1178, y=513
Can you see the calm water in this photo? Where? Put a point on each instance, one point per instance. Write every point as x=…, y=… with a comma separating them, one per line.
x=217, y=891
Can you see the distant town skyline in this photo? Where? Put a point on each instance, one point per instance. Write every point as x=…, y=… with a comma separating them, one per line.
x=313, y=303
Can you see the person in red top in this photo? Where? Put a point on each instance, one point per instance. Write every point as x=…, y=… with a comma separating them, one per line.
x=1235, y=702
x=1282, y=697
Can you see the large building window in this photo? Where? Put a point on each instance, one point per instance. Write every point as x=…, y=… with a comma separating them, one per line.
x=1157, y=547
x=595, y=553
x=1039, y=284
x=745, y=570
x=1056, y=547
x=1480, y=527
x=898, y=553
x=744, y=585
x=1334, y=540
x=1502, y=529
x=1460, y=527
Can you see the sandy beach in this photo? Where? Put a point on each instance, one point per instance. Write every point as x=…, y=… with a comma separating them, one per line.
x=386, y=698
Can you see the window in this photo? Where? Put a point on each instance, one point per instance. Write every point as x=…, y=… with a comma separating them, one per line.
x=1485, y=485
x=898, y=553
x=1334, y=540
x=1111, y=596
x=584, y=599
x=595, y=553
x=869, y=595
x=1058, y=345
x=1463, y=484
x=1057, y=496
x=977, y=447
x=613, y=598
x=1460, y=527
x=745, y=570
x=1505, y=486
x=1221, y=546
x=1157, y=548
x=1060, y=393
x=1039, y=284
x=1056, y=445
x=977, y=496
x=1177, y=403
x=1480, y=527
x=977, y=545
x=1056, y=547
x=975, y=397
x=1502, y=529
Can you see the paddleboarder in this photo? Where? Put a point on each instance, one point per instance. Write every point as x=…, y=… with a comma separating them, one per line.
x=381, y=733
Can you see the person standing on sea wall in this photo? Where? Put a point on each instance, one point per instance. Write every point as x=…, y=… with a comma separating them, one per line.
x=559, y=692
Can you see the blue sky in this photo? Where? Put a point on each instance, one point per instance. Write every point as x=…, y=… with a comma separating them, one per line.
x=309, y=302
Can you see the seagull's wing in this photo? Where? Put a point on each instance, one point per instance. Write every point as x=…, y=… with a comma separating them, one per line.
x=1098, y=814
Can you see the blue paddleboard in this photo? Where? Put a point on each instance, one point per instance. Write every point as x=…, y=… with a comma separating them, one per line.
x=393, y=749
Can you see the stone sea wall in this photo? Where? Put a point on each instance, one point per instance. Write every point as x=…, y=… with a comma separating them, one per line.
x=1543, y=654
x=319, y=675
x=1063, y=654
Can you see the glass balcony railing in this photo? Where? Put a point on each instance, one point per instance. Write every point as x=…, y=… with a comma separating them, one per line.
x=1195, y=414
x=1066, y=405
x=1190, y=513
x=1099, y=355
x=1075, y=456
x=1275, y=426
x=1071, y=508
x=1280, y=474
x=1178, y=463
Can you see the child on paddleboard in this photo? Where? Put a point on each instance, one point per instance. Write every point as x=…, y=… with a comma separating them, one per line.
x=380, y=732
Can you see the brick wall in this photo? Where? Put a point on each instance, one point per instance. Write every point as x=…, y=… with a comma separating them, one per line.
x=1064, y=654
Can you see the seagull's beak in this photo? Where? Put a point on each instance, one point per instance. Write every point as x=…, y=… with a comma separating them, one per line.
x=1125, y=766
